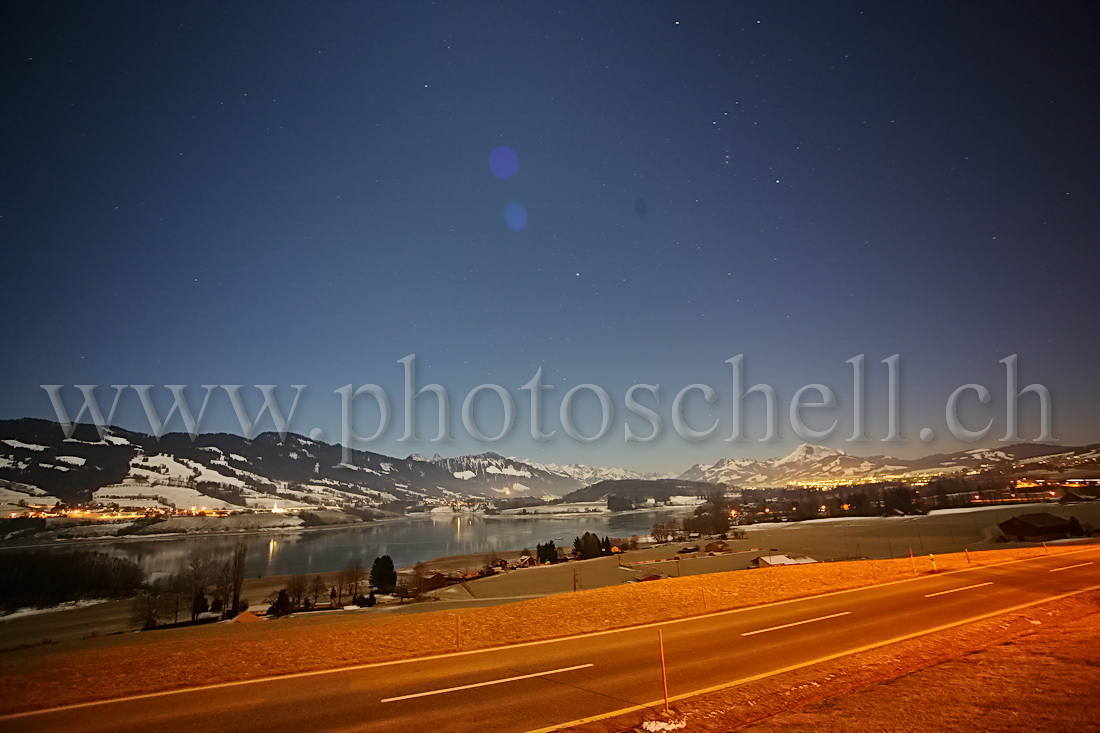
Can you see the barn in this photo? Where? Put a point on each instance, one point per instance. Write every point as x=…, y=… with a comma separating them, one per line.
x=1038, y=527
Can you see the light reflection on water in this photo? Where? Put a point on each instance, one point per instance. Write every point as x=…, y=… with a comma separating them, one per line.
x=405, y=540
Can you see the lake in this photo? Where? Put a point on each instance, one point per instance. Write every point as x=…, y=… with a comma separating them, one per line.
x=407, y=541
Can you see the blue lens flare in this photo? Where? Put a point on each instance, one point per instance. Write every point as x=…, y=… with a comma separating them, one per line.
x=503, y=162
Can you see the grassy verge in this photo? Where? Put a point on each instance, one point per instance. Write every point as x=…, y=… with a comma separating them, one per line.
x=131, y=664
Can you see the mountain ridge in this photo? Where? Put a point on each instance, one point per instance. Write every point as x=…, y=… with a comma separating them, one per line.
x=223, y=469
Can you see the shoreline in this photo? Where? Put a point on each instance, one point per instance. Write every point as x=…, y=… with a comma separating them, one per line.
x=58, y=542
x=62, y=541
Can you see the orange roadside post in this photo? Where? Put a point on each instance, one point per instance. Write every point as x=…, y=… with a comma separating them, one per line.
x=664, y=672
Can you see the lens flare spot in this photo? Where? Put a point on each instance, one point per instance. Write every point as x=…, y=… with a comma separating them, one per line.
x=515, y=214
x=503, y=162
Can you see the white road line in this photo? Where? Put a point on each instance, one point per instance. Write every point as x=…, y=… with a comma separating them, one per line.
x=1070, y=567
x=796, y=623
x=486, y=684
x=956, y=590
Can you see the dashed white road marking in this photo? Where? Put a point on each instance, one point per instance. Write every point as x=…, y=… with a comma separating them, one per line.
x=486, y=684
x=956, y=590
x=1070, y=567
x=796, y=623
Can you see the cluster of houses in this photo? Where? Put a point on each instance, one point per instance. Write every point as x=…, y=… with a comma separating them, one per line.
x=437, y=580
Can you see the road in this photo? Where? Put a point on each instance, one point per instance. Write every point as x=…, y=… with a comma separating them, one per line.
x=542, y=684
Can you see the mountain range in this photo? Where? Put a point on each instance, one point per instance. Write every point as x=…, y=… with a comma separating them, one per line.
x=217, y=470
x=820, y=465
x=220, y=470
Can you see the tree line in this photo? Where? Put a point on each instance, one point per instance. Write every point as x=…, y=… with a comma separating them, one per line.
x=204, y=585
x=303, y=594
x=42, y=578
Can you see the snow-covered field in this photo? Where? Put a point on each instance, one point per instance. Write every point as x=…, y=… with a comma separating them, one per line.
x=257, y=500
x=162, y=466
x=69, y=605
x=1021, y=508
x=25, y=446
x=240, y=522
x=12, y=496
x=583, y=507
x=156, y=496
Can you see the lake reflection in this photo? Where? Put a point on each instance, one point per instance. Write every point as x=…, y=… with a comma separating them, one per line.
x=407, y=541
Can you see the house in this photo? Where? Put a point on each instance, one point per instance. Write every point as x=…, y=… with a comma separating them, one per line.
x=246, y=617
x=718, y=546
x=439, y=580
x=526, y=561
x=1038, y=527
x=1075, y=496
x=770, y=561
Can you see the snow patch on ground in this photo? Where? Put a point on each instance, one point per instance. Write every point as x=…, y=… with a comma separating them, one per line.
x=159, y=467
x=11, y=496
x=240, y=522
x=154, y=496
x=684, y=500
x=508, y=471
x=583, y=507
x=59, y=607
x=825, y=520
x=73, y=460
x=26, y=446
x=1024, y=508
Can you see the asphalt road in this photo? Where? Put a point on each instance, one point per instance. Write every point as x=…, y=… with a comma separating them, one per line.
x=542, y=684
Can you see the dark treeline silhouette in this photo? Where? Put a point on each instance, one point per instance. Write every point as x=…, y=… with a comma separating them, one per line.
x=546, y=553
x=44, y=578
x=304, y=594
x=589, y=545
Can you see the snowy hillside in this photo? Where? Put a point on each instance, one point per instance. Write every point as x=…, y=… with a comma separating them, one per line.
x=814, y=463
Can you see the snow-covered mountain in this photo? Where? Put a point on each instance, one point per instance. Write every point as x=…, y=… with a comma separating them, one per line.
x=587, y=475
x=520, y=477
x=815, y=463
x=36, y=461
x=220, y=470
x=806, y=462
x=215, y=469
x=507, y=476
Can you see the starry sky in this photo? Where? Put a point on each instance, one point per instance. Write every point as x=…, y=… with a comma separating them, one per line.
x=614, y=192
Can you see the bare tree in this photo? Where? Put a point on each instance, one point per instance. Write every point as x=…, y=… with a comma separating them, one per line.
x=197, y=577
x=354, y=575
x=419, y=576
x=492, y=559
x=223, y=588
x=176, y=596
x=318, y=589
x=340, y=587
x=297, y=586
x=236, y=570
x=404, y=588
x=150, y=606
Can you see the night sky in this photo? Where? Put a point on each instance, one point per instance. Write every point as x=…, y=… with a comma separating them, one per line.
x=292, y=193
